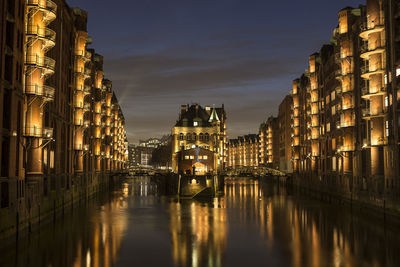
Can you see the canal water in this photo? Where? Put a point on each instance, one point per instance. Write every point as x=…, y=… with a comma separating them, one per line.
x=254, y=224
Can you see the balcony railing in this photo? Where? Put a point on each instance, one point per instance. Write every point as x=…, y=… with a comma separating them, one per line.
x=43, y=4
x=86, y=107
x=381, y=141
x=365, y=91
x=41, y=32
x=43, y=91
x=347, y=148
x=368, y=112
x=38, y=132
x=366, y=29
x=41, y=62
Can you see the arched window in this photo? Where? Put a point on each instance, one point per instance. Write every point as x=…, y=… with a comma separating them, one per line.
x=181, y=136
x=194, y=136
x=201, y=136
x=188, y=137
x=207, y=137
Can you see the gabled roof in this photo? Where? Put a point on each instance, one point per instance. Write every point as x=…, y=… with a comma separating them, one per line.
x=194, y=113
x=213, y=116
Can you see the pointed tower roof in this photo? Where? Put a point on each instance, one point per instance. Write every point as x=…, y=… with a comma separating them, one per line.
x=213, y=116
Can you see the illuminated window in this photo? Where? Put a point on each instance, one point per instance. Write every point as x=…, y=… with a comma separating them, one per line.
x=52, y=159
x=195, y=123
x=386, y=101
x=205, y=157
x=398, y=71
x=192, y=157
x=186, y=157
x=387, y=128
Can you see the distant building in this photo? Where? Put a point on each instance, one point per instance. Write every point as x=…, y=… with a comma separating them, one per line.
x=244, y=151
x=269, y=143
x=133, y=156
x=199, y=140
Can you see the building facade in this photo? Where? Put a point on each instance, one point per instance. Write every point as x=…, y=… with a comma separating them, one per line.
x=198, y=140
x=339, y=128
x=62, y=127
x=283, y=137
x=345, y=107
x=244, y=152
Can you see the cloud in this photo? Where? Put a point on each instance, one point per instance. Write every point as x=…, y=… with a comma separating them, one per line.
x=152, y=86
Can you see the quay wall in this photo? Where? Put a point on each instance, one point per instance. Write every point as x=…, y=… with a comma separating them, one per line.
x=369, y=198
x=48, y=197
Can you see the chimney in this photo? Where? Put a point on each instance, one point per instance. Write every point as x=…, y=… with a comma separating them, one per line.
x=208, y=109
x=183, y=109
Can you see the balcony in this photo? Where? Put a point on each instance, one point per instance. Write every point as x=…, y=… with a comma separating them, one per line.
x=48, y=36
x=83, y=54
x=366, y=72
x=78, y=104
x=48, y=7
x=87, y=90
x=381, y=141
x=367, y=50
x=346, y=123
x=47, y=92
x=86, y=107
x=366, y=30
x=44, y=63
x=314, y=137
x=38, y=132
x=347, y=148
x=368, y=113
x=347, y=106
x=367, y=92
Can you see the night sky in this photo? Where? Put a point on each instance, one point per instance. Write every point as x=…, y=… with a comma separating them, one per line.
x=243, y=53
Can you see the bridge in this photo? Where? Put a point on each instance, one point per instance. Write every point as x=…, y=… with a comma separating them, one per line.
x=253, y=171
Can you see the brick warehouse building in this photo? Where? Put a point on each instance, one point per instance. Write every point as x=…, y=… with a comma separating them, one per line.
x=62, y=127
x=340, y=130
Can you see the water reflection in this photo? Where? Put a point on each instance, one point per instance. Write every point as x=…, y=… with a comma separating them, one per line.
x=254, y=224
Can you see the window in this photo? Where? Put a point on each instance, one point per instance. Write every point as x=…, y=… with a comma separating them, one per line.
x=200, y=157
x=195, y=123
x=186, y=157
x=191, y=157
x=194, y=136
x=387, y=128
x=205, y=157
x=398, y=71
x=201, y=137
x=386, y=101
x=207, y=137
